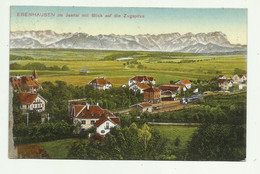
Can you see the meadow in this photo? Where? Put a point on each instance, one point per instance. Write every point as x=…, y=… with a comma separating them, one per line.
x=165, y=67
x=184, y=133
x=59, y=149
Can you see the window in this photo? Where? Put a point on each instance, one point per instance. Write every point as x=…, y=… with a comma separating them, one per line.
x=92, y=122
x=102, y=131
x=83, y=114
x=83, y=122
x=107, y=125
x=92, y=115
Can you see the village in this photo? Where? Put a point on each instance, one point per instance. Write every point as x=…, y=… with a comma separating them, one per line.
x=162, y=98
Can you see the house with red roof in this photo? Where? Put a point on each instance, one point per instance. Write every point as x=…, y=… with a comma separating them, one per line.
x=30, y=82
x=143, y=107
x=141, y=79
x=100, y=83
x=169, y=92
x=31, y=101
x=239, y=78
x=185, y=82
x=152, y=95
x=139, y=87
x=94, y=116
x=222, y=77
x=225, y=84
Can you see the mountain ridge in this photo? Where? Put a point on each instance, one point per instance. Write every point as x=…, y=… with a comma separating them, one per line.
x=170, y=42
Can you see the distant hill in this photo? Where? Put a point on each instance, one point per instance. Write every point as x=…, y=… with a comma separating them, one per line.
x=213, y=42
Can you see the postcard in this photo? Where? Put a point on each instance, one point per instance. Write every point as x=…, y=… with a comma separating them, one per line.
x=114, y=83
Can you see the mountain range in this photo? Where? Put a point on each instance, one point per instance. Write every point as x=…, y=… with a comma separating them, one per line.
x=213, y=42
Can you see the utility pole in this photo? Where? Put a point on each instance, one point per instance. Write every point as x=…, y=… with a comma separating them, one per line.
x=27, y=118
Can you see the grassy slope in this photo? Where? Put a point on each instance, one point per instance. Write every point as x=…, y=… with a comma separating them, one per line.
x=58, y=149
x=172, y=132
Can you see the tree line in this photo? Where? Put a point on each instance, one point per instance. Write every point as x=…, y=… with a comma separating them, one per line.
x=38, y=66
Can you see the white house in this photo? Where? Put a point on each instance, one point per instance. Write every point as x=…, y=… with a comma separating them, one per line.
x=104, y=125
x=139, y=87
x=92, y=116
x=141, y=79
x=100, y=83
x=225, y=84
x=31, y=101
x=185, y=82
x=239, y=78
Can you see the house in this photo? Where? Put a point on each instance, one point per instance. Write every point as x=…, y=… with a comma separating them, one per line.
x=31, y=101
x=100, y=83
x=185, y=82
x=239, y=78
x=28, y=83
x=139, y=87
x=83, y=71
x=196, y=90
x=168, y=95
x=225, y=84
x=94, y=116
x=143, y=107
x=178, y=87
x=169, y=92
x=104, y=124
x=222, y=77
x=241, y=86
x=141, y=79
x=152, y=95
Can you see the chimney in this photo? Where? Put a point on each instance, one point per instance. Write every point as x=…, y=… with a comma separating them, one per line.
x=97, y=104
x=87, y=106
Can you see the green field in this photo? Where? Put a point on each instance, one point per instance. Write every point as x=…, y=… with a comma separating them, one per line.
x=161, y=65
x=59, y=149
x=172, y=132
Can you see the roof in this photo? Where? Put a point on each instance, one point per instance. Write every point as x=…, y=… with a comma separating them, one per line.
x=98, y=137
x=27, y=98
x=76, y=102
x=18, y=82
x=179, y=85
x=94, y=111
x=145, y=104
x=152, y=89
x=169, y=87
x=115, y=120
x=185, y=81
x=101, y=81
x=241, y=75
x=142, y=78
x=143, y=85
x=168, y=92
x=223, y=80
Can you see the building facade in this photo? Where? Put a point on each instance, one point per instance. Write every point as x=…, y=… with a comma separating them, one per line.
x=152, y=95
x=93, y=116
x=100, y=83
x=26, y=83
x=30, y=101
x=141, y=79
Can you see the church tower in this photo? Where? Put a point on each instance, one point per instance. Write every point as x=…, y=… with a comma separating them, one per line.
x=35, y=75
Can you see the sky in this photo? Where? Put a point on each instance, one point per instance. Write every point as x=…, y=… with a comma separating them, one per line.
x=232, y=22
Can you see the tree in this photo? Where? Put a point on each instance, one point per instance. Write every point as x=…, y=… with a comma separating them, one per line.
x=239, y=71
x=65, y=68
x=144, y=136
